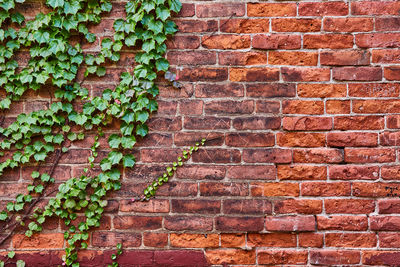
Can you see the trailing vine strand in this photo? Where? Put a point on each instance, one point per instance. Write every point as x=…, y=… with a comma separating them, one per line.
x=55, y=60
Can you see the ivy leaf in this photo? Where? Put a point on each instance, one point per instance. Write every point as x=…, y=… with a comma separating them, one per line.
x=119, y=25
x=17, y=18
x=114, y=141
x=142, y=130
x=3, y=216
x=105, y=164
x=142, y=116
x=175, y=5
x=128, y=141
x=131, y=40
x=42, y=37
x=129, y=161
x=115, y=157
x=148, y=45
x=55, y=3
x=162, y=64
x=11, y=254
x=162, y=13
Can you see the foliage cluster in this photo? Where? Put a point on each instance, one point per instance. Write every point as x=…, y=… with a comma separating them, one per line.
x=55, y=60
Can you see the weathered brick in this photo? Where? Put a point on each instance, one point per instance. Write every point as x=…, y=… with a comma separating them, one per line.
x=231, y=256
x=229, y=107
x=256, y=123
x=389, y=240
x=250, y=139
x=342, y=58
x=334, y=8
x=359, y=122
x=239, y=224
x=318, y=155
x=357, y=74
x=305, y=74
x=137, y=222
x=387, y=24
x=219, y=90
x=224, y=189
x=340, y=139
x=246, y=206
x=272, y=155
x=375, y=8
x=377, y=189
x=299, y=139
x=311, y=240
x=390, y=258
x=332, y=41
x=282, y=257
x=272, y=240
x=296, y=25
x=348, y=24
x=301, y=206
x=220, y=10
x=301, y=172
x=245, y=25
x=226, y=41
x=302, y=107
x=151, y=239
x=242, y=58
x=325, y=189
x=197, y=25
x=374, y=89
x=194, y=240
x=353, y=172
x=191, y=223
x=371, y=155
x=385, y=223
x=334, y=257
x=271, y=90
x=368, y=40
x=292, y=58
x=343, y=223
x=271, y=9
x=267, y=172
x=200, y=206
x=109, y=239
x=389, y=206
x=275, y=189
x=276, y=41
x=353, y=240
x=253, y=74
x=392, y=73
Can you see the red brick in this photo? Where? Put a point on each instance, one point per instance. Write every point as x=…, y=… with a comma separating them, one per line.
x=344, y=139
x=200, y=172
x=375, y=8
x=199, y=206
x=392, y=73
x=229, y=107
x=38, y=241
x=389, y=206
x=348, y=24
x=290, y=223
x=376, y=189
x=178, y=189
x=354, y=206
x=374, y=89
x=334, y=8
x=390, y=172
x=197, y=25
x=389, y=138
x=357, y=74
x=224, y=189
x=332, y=41
x=353, y=240
x=318, y=155
x=292, y=58
x=165, y=124
x=178, y=258
x=353, y=172
x=185, y=138
x=343, y=223
x=374, y=40
x=389, y=240
x=386, y=56
x=342, y=58
x=296, y=25
x=305, y=74
x=242, y=58
x=194, y=240
x=191, y=223
x=275, y=189
x=306, y=123
x=187, y=10
x=246, y=206
x=299, y=139
x=155, y=205
x=239, y=224
x=183, y=42
x=137, y=222
x=311, y=240
x=301, y=206
x=272, y=240
x=271, y=9
x=206, y=123
x=325, y=189
x=226, y=41
x=220, y=10
x=302, y=107
x=321, y=90
x=369, y=155
x=385, y=223
x=301, y=172
x=276, y=41
x=192, y=58
x=268, y=106
x=250, y=139
x=233, y=240
x=253, y=74
x=272, y=155
x=267, y=172
x=256, y=123
x=109, y=239
x=393, y=121
x=282, y=257
x=219, y=90
x=338, y=107
x=359, y=123
x=217, y=156
x=334, y=257
x=151, y=239
x=387, y=24
x=203, y=74
x=390, y=258
x=231, y=256
x=271, y=90
x=245, y=25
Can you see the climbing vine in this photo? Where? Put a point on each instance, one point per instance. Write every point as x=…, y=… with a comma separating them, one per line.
x=56, y=58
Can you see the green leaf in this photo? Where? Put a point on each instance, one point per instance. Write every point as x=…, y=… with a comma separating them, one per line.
x=20, y=263
x=129, y=161
x=3, y=216
x=114, y=141
x=55, y=3
x=175, y=5
x=142, y=130
x=58, y=138
x=128, y=141
x=70, y=203
x=162, y=13
x=115, y=157
x=39, y=189
x=162, y=64
x=11, y=254
x=105, y=164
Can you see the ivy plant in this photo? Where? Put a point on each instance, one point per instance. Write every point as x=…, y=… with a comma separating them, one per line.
x=55, y=60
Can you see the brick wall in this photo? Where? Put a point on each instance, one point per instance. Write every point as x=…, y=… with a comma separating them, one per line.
x=301, y=101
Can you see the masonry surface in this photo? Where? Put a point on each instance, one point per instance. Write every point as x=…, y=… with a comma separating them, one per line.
x=300, y=101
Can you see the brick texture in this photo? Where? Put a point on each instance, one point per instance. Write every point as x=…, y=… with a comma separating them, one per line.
x=301, y=100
